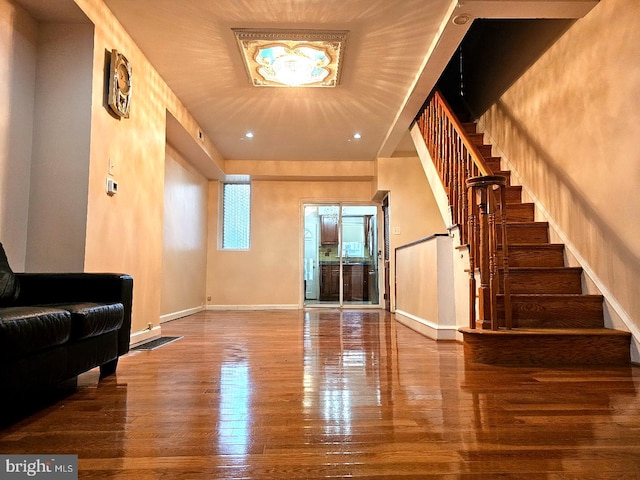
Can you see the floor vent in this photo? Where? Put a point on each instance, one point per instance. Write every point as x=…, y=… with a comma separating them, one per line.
x=156, y=343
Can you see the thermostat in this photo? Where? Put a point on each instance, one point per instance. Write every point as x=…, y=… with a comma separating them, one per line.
x=112, y=187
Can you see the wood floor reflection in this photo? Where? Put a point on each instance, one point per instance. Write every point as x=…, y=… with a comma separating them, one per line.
x=329, y=394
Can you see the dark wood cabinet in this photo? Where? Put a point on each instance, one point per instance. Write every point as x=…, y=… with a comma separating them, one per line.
x=355, y=283
x=328, y=230
x=330, y=283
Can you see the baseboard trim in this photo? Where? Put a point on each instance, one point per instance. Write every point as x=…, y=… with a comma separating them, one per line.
x=182, y=313
x=144, y=335
x=254, y=307
x=427, y=327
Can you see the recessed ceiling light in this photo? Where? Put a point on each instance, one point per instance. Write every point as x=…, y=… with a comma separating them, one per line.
x=249, y=134
x=461, y=19
x=357, y=136
x=292, y=58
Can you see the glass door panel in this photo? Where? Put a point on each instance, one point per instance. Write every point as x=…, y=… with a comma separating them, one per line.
x=321, y=254
x=340, y=255
x=359, y=255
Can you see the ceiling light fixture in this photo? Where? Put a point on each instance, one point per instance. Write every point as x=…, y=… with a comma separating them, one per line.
x=292, y=58
x=249, y=134
x=357, y=136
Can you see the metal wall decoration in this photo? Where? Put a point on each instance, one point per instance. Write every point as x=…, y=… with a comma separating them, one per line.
x=120, y=84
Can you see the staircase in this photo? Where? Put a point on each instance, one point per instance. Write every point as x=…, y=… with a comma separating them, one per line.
x=554, y=323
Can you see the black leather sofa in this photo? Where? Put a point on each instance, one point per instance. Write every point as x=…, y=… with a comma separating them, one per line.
x=54, y=326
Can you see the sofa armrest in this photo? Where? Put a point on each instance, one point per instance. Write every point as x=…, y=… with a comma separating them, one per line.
x=51, y=288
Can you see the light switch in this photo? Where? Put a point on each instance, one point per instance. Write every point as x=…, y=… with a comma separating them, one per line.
x=396, y=230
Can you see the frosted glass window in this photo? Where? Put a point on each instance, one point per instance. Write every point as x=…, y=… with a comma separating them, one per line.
x=236, y=216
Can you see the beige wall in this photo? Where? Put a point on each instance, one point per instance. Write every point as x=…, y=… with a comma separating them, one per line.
x=75, y=141
x=184, y=239
x=18, y=56
x=270, y=272
x=425, y=298
x=570, y=127
x=124, y=232
x=60, y=157
x=413, y=212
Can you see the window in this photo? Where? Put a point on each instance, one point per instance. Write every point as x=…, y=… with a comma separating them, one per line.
x=236, y=216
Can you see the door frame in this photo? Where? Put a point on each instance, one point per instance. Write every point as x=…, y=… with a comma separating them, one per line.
x=340, y=304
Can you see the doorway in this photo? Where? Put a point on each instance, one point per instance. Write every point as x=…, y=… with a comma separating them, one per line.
x=340, y=255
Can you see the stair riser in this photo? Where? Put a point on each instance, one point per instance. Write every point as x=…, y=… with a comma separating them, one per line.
x=547, y=350
x=520, y=212
x=477, y=139
x=536, y=282
x=504, y=173
x=513, y=194
x=485, y=150
x=555, y=312
x=525, y=233
x=493, y=163
x=533, y=257
x=469, y=127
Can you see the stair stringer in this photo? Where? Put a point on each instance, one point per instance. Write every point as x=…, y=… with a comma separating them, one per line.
x=439, y=192
x=615, y=316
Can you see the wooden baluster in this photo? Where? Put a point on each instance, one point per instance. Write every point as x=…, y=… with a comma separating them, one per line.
x=472, y=239
x=491, y=254
x=505, y=260
x=465, y=235
x=454, y=183
x=484, y=292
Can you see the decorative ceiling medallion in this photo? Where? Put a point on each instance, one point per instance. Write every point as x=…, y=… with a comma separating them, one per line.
x=119, y=84
x=292, y=58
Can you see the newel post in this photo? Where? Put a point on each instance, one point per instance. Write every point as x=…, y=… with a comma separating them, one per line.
x=487, y=208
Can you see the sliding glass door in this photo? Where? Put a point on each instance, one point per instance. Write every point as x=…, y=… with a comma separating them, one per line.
x=340, y=255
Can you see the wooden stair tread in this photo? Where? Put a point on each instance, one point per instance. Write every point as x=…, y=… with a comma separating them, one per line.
x=558, y=296
x=527, y=224
x=548, y=331
x=538, y=246
x=543, y=269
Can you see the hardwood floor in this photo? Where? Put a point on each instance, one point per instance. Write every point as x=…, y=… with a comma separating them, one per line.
x=329, y=394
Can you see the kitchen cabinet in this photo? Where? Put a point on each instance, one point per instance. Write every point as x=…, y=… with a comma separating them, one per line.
x=330, y=283
x=329, y=230
x=355, y=282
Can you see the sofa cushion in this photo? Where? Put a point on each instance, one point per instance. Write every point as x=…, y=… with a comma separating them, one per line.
x=25, y=330
x=9, y=285
x=92, y=319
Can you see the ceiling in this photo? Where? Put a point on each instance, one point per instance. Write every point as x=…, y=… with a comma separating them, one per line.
x=394, y=54
x=193, y=47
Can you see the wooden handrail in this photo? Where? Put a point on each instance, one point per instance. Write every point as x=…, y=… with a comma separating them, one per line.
x=454, y=154
x=475, y=196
